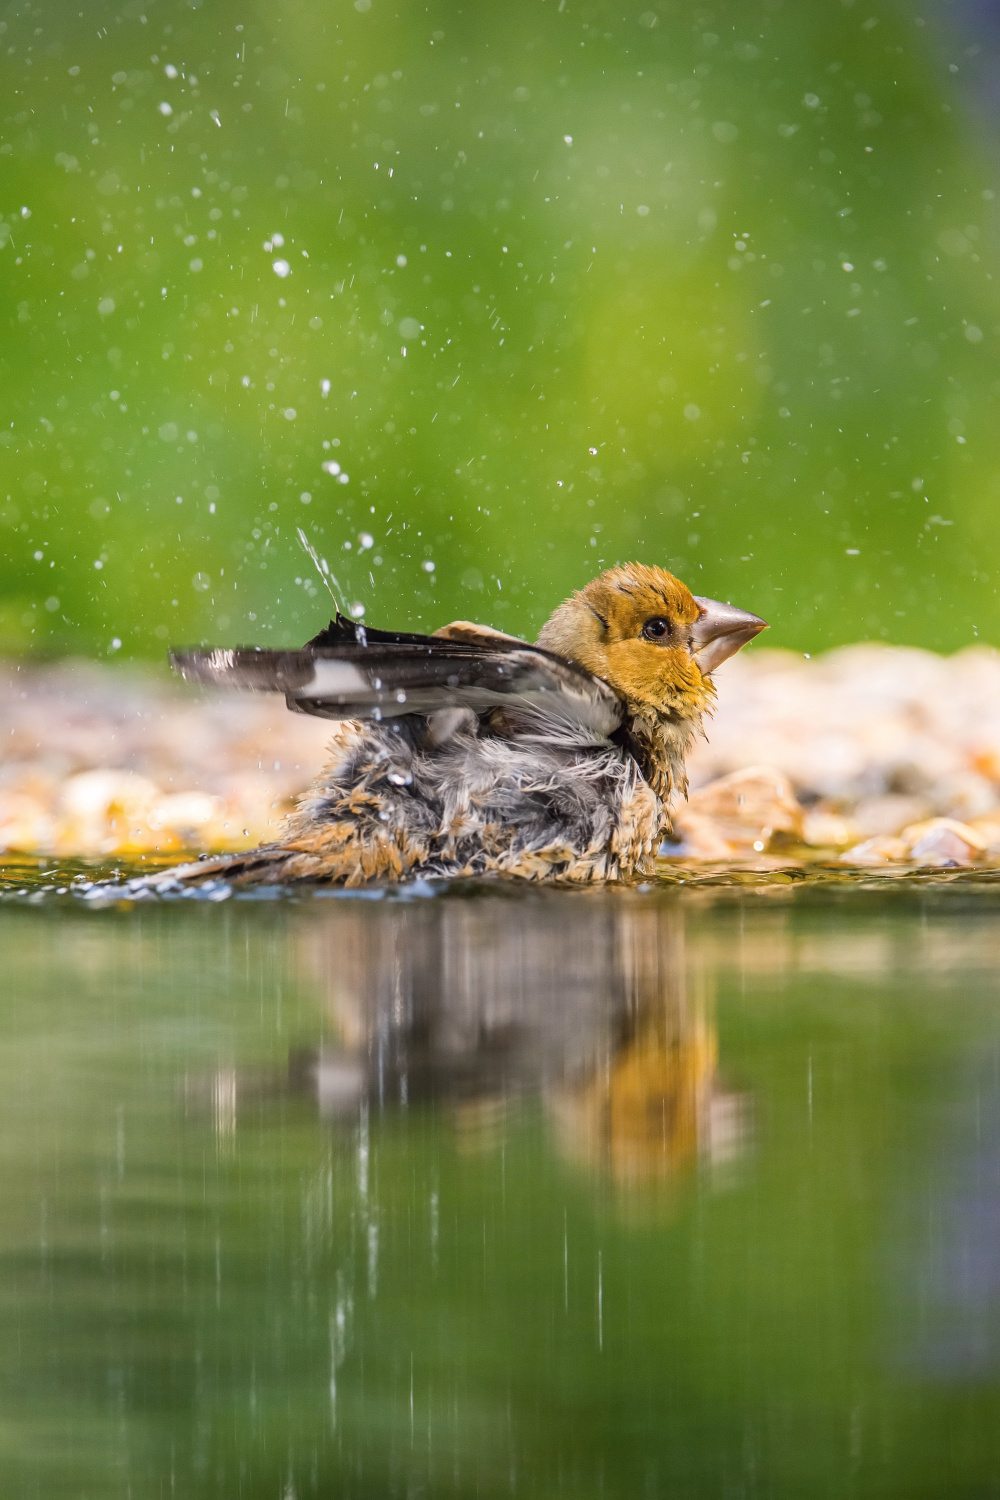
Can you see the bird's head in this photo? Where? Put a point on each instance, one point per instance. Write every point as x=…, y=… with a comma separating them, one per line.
x=648, y=637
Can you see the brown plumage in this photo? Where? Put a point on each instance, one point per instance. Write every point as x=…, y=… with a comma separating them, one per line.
x=471, y=752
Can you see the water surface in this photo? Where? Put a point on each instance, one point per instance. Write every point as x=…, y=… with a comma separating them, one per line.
x=663, y=1193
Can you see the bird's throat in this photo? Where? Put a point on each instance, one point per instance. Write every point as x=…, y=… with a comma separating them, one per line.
x=658, y=743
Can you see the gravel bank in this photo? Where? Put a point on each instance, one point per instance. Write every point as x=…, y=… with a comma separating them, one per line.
x=868, y=754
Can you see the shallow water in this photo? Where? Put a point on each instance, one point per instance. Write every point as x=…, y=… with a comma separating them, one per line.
x=666, y=1192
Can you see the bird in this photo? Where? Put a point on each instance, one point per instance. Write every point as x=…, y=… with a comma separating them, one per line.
x=471, y=752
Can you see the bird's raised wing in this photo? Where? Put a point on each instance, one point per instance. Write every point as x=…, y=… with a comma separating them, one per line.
x=350, y=671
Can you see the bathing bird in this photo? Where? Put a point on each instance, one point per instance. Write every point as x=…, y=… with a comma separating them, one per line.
x=470, y=752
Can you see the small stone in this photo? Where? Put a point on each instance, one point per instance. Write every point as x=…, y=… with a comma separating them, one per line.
x=747, y=808
x=697, y=838
x=881, y=850
x=943, y=841
x=827, y=830
x=988, y=829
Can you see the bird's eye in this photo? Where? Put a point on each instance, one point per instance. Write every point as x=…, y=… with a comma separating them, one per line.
x=656, y=629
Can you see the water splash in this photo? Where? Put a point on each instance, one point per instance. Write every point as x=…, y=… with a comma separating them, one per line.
x=322, y=568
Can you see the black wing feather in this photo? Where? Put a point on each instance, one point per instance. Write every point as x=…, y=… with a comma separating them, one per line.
x=344, y=632
x=350, y=671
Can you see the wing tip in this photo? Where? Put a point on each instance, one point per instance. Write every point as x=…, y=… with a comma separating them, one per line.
x=204, y=665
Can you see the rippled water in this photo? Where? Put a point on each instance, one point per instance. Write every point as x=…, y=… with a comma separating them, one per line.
x=663, y=1192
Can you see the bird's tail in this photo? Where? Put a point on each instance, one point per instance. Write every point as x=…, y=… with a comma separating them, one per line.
x=212, y=879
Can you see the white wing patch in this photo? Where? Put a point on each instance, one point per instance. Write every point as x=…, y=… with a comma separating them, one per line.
x=335, y=679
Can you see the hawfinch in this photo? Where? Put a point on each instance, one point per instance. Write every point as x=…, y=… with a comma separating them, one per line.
x=469, y=752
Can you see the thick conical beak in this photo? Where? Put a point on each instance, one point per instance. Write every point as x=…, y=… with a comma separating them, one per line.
x=720, y=631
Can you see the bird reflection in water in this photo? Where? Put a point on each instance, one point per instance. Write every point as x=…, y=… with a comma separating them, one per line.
x=592, y=1004
x=595, y=1004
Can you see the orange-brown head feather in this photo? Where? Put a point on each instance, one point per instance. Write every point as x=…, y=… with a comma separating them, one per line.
x=632, y=627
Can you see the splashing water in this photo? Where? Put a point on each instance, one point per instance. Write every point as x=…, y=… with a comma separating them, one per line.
x=322, y=568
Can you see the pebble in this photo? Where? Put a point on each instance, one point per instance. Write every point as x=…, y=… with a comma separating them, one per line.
x=891, y=753
x=99, y=761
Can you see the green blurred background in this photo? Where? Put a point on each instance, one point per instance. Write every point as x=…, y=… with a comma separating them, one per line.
x=543, y=285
